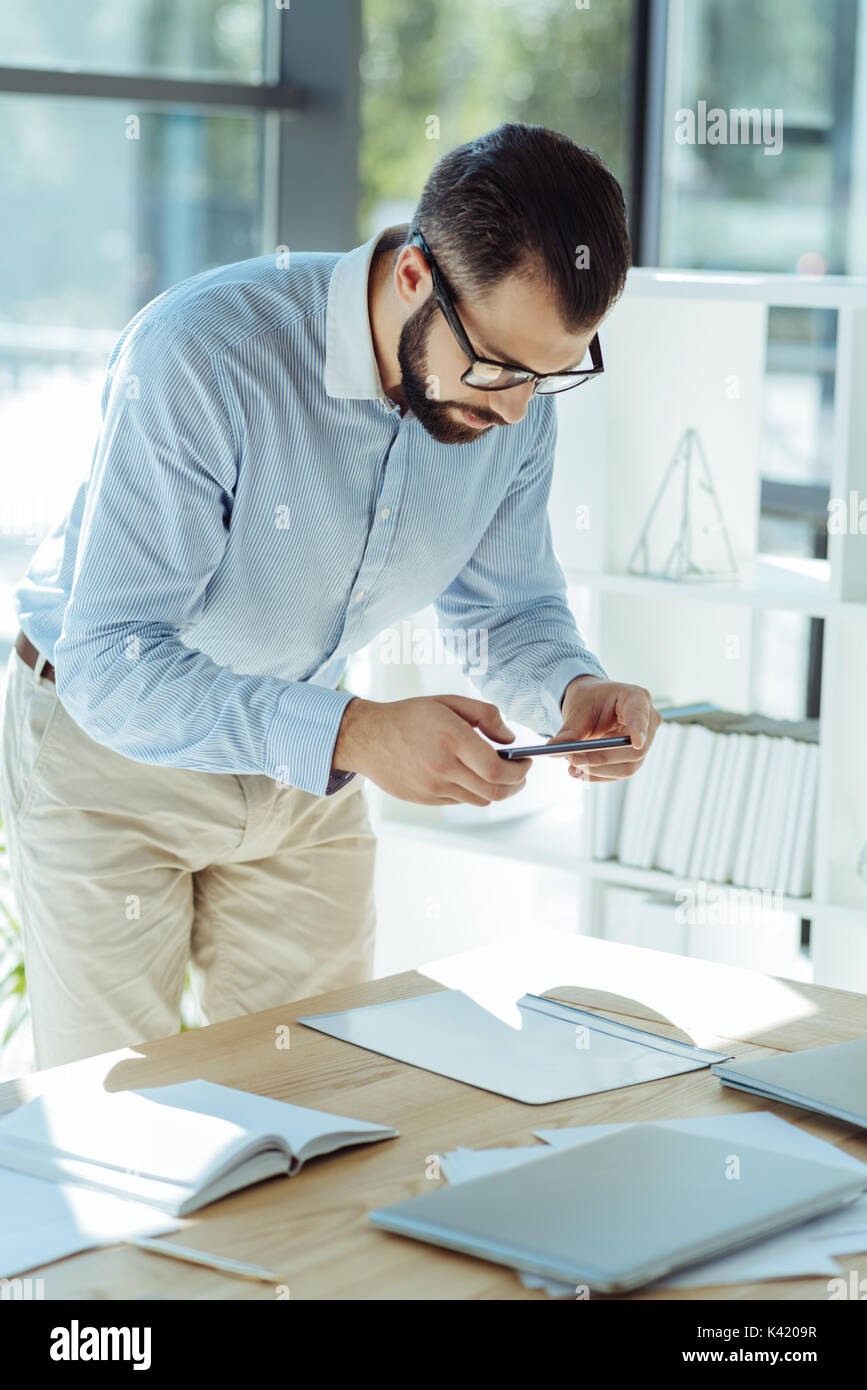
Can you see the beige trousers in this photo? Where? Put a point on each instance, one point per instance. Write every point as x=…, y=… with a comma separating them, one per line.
x=124, y=873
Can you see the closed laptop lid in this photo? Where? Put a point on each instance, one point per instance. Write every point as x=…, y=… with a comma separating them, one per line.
x=832, y=1078
x=627, y=1208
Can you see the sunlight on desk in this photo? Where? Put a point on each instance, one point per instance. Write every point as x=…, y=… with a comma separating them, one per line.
x=705, y=999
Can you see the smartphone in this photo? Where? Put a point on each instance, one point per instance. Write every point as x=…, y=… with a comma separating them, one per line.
x=580, y=746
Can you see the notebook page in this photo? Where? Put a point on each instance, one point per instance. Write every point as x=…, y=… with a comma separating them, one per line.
x=127, y=1132
x=302, y=1130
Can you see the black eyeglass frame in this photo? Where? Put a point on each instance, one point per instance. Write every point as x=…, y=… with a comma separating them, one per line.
x=450, y=315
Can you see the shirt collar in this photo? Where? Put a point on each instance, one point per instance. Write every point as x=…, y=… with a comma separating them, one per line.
x=351, y=372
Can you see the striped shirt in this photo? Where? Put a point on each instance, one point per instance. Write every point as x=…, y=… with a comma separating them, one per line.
x=258, y=509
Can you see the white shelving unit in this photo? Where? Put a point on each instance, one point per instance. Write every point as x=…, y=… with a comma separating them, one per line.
x=688, y=350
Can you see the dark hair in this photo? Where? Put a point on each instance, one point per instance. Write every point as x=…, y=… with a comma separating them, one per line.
x=524, y=200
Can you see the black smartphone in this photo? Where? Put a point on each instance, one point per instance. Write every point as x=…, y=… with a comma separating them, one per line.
x=580, y=746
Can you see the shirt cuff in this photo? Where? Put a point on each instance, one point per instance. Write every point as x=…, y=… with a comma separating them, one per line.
x=554, y=688
x=302, y=737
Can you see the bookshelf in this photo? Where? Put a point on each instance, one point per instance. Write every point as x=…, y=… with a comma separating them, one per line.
x=681, y=350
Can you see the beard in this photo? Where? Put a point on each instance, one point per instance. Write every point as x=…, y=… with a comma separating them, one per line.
x=433, y=415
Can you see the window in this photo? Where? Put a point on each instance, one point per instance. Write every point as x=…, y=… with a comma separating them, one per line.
x=731, y=204
x=175, y=38
x=139, y=147
x=435, y=75
x=801, y=209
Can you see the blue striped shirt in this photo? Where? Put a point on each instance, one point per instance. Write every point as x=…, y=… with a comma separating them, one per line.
x=258, y=509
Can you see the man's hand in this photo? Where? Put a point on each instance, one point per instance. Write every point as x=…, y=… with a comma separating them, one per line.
x=426, y=750
x=595, y=708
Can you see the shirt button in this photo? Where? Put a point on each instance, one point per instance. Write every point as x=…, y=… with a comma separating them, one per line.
x=385, y=513
x=359, y=596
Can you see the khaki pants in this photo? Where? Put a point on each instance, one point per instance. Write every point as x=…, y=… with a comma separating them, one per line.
x=124, y=873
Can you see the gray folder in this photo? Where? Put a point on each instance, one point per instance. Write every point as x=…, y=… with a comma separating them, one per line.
x=557, y=1053
x=625, y=1209
x=831, y=1080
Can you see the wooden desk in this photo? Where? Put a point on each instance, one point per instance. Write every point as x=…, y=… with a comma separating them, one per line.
x=312, y=1229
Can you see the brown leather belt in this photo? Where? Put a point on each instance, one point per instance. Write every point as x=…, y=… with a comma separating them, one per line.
x=29, y=655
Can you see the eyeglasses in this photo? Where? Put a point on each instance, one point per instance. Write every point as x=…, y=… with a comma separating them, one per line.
x=486, y=375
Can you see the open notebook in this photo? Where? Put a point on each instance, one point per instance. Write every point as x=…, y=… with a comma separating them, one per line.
x=176, y=1148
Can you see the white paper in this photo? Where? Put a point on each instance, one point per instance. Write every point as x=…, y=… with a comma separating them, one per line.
x=805, y=1250
x=759, y=1127
x=460, y=1164
x=43, y=1221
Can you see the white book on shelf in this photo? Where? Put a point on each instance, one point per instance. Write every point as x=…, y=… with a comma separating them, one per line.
x=783, y=791
x=668, y=831
x=710, y=807
x=607, y=813
x=760, y=830
x=735, y=789
x=784, y=802
x=690, y=792
x=768, y=826
x=642, y=796
x=761, y=753
x=772, y=840
x=801, y=760
x=625, y=830
x=633, y=803
x=606, y=819
x=801, y=870
x=639, y=790
x=668, y=736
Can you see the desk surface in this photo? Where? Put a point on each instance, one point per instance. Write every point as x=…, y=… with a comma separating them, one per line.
x=312, y=1229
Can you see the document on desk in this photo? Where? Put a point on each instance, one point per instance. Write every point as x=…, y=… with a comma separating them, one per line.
x=41, y=1221
x=558, y=1053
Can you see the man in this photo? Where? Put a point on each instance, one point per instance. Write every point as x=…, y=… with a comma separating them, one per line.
x=293, y=457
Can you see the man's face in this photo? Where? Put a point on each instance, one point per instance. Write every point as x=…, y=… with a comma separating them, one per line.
x=516, y=322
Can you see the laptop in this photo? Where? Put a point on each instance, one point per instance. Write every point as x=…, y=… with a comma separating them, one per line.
x=831, y=1080
x=626, y=1209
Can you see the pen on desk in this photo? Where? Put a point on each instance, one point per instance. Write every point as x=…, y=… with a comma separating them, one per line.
x=201, y=1257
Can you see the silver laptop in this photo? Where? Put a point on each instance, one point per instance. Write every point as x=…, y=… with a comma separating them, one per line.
x=626, y=1209
x=831, y=1080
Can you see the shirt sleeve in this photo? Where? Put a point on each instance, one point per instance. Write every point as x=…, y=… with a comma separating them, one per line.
x=506, y=613
x=155, y=527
